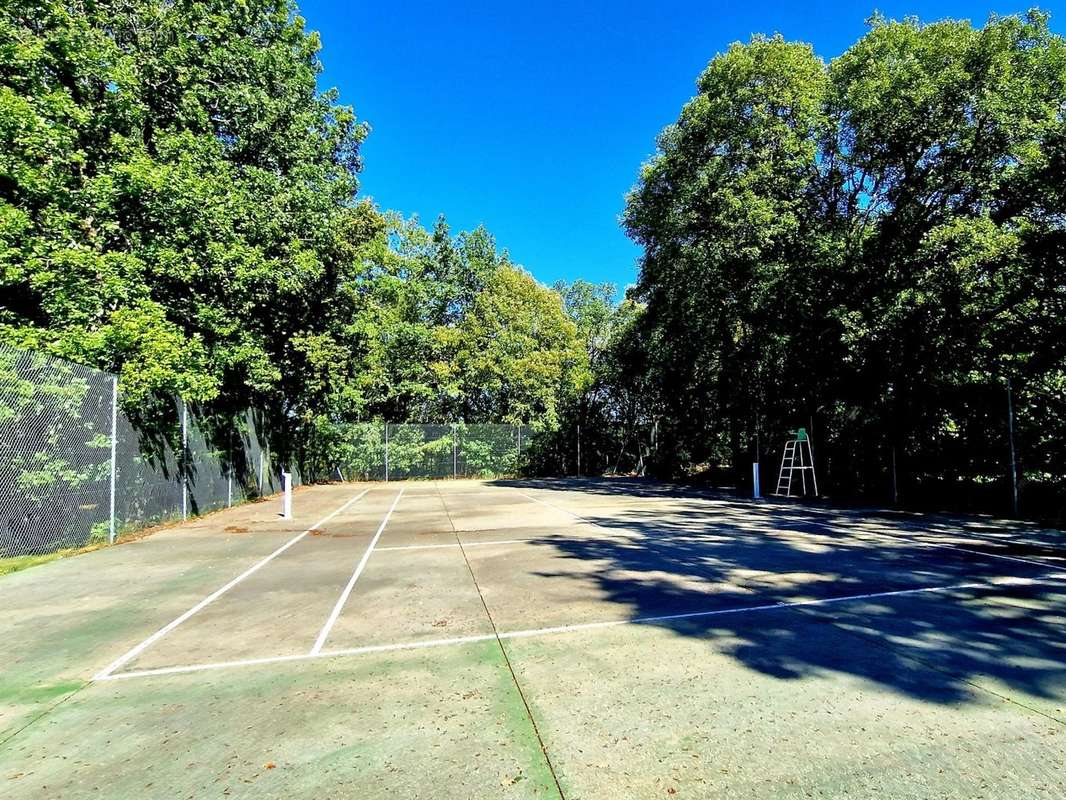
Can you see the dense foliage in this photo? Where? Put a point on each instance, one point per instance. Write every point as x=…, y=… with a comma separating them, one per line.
x=872, y=247
x=177, y=203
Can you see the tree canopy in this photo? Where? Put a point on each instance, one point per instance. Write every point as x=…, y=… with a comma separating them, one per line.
x=178, y=204
x=872, y=246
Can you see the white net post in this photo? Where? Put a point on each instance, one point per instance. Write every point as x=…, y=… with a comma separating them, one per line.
x=114, y=448
x=286, y=501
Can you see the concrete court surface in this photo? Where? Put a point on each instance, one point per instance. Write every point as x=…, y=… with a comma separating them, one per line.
x=576, y=639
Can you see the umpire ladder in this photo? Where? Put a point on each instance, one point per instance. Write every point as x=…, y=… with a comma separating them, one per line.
x=797, y=457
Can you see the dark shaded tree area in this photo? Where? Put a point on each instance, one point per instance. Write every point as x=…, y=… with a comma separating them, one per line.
x=872, y=248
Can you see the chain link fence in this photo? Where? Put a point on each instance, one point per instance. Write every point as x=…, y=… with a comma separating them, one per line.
x=76, y=470
x=390, y=451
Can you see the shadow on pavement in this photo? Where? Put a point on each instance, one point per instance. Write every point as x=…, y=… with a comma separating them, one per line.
x=691, y=555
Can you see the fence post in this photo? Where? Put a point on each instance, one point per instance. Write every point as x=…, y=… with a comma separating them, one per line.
x=386, y=452
x=229, y=487
x=114, y=448
x=1013, y=454
x=579, y=451
x=184, y=460
x=455, y=452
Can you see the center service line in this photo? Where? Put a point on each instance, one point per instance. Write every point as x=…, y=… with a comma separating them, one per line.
x=159, y=634
x=324, y=633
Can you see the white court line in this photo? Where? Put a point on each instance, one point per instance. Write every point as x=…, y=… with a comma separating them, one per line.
x=546, y=539
x=945, y=545
x=1030, y=561
x=561, y=629
x=942, y=545
x=558, y=508
x=465, y=544
x=324, y=633
x=159, y=634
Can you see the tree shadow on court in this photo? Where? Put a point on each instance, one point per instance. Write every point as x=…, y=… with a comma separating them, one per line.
x=1003, y=537
x=691, y=557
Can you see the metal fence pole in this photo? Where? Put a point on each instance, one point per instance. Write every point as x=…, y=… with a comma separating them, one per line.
x=1013, y=453
x=386, y=452
x=455, y=452
x=114, y=448
x=184, y=460
x=579, y=451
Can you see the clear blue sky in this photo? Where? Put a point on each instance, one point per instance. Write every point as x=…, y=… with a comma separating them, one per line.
x=533, y=118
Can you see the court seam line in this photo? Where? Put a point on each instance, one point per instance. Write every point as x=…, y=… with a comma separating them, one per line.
x=30, y=723
x=136, y=650
x=503, y=651
x=343, y=599
x=562, y=629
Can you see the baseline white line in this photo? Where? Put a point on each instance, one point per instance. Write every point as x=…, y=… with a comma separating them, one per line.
x=324, y=633
x=159, y=634
x=560, y=629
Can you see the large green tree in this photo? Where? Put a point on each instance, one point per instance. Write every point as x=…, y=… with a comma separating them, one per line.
x=175, y=192
x=874, y=245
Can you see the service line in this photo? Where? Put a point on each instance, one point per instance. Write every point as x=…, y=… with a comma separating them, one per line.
x=159, y=634
x=324, y=633
x=1053, y=578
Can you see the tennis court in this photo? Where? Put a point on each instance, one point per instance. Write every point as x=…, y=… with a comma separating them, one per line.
x=574, y=638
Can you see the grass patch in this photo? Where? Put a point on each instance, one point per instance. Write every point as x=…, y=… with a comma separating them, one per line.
x=16, y=563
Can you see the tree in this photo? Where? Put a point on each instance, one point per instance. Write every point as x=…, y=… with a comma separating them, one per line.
x=175, y=192
x=874, y=245
x=520, y=357
x=727, y=214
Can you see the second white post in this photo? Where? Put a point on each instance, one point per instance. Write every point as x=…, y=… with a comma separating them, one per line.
x=286, y=500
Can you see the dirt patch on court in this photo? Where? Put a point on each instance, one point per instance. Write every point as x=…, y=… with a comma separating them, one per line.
x=327, y=535
x=235, y=529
